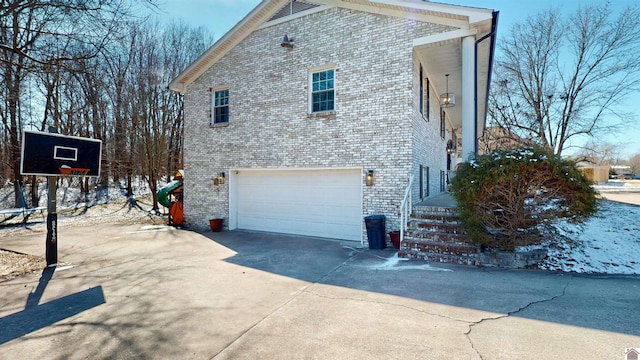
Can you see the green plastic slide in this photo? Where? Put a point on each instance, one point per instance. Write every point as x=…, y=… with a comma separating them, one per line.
x=163, y=193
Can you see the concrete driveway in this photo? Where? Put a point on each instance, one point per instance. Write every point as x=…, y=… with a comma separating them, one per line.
x=126, y=291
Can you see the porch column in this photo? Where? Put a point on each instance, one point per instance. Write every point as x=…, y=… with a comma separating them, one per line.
x=469, y=136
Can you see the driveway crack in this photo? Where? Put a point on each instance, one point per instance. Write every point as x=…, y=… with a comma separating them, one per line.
x=309, y=291
x=514, y=312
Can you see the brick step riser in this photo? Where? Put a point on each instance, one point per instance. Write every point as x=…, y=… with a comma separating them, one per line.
x=434, y=209
x=439, y=258
x=435, y=236
x=436, y=227
x=440, y=248
x=434, y=214
x=442, y=219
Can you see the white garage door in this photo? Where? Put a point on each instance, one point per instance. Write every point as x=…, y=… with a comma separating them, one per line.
x=323, y=203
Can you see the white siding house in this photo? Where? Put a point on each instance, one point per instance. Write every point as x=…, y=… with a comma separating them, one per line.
x=296, y=126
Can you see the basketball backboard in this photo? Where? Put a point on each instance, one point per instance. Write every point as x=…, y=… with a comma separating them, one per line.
x=46, y=154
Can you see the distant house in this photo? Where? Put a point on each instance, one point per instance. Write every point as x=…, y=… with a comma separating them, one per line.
x=595, y=173
x=308, y=116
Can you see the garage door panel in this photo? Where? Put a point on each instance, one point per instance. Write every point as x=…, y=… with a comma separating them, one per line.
x=325, y=203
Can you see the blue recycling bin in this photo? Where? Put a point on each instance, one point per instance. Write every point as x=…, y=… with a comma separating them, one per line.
x=376, y=231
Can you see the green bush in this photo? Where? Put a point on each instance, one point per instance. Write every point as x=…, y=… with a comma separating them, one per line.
x=506, y=198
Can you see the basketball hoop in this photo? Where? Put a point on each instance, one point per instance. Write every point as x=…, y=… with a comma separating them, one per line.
x=74, y=175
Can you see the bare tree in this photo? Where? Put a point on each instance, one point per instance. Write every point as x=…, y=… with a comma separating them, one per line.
x=600, y=153
x=148, y=118
x=100, y=73
x=634, y=163
x=558, y=79
x=38, y=35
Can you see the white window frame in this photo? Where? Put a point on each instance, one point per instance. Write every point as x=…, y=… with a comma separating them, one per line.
x=213, y=106
x=315, y=70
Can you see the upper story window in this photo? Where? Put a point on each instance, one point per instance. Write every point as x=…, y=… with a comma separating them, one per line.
x=424, y=94
x=427, y=98
x=443, y=124
x=220, y=106
x=322, y=91
x=421, y=91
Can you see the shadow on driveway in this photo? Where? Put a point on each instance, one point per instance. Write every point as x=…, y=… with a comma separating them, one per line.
x=599, y=302
x=36, y=316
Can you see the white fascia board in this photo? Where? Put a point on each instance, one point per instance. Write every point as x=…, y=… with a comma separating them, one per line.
x=241, y=30
x=472, y=13
x=294, y=16
x=445, y=36
x=408, y=11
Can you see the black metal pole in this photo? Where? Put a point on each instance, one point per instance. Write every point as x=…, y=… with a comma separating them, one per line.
x=51, y=244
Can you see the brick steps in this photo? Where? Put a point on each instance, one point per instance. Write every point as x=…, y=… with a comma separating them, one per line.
x=434, y=234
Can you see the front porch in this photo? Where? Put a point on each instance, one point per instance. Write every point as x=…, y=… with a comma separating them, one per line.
x=444, y=199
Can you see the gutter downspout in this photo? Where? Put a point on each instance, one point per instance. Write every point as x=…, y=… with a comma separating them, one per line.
x=492, y=34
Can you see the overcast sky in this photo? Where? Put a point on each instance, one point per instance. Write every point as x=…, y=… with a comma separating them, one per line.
x=219, y=16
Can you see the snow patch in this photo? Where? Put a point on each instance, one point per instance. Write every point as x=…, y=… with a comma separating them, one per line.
x=394, y=263
x=609, y=242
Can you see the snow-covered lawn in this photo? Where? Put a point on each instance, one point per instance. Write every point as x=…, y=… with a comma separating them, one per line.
x=608, y=243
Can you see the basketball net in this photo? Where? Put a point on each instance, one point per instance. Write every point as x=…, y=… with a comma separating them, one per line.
x=74, y=176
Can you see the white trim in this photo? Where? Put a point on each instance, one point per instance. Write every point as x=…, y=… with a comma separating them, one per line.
x=469, y=140
x=212, y=107
x=317, y=69
x=473, y=14
x=297, y=15
x=219, y=87
x=233, y=171
x=266, y=9
x=408, y=11
x=326, y=66
x=449, y=15
x=445, y=36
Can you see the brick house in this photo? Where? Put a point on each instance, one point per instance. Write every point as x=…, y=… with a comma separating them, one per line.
x=309, y=115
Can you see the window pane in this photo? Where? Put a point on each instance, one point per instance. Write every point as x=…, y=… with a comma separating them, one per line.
x=221, y=97
x=221, y=106
x=322, y=96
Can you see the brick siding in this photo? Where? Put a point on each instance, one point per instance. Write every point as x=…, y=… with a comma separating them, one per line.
x=374, y=125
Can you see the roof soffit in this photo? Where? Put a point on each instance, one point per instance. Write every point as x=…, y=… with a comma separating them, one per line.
x=265, y=10
x=444, y=14
x=399, y=9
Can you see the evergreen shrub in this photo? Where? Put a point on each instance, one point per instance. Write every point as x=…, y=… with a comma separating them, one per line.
x=507, y=198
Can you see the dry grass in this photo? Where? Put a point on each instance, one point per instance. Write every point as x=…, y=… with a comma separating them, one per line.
x=13, y=264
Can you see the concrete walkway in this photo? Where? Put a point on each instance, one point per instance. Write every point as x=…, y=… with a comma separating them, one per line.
x=128, y=292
